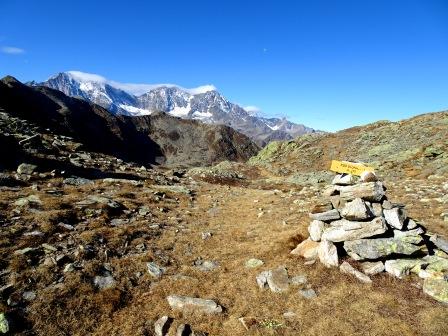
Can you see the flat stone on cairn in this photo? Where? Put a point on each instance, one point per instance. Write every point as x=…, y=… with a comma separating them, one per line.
x=355, y=220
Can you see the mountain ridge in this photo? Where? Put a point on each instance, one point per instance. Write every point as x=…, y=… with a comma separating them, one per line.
x=204, y=103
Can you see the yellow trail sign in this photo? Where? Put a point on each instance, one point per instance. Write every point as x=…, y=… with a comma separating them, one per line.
x=349, y=167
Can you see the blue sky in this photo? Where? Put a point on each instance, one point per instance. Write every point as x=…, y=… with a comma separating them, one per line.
x=327, y=64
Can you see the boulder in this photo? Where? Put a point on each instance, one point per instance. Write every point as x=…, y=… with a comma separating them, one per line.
x=326, y=216
x=186, y=304
x=401, y=267
x=344, y=230
x=316, y=229
x=343, y=180
x=369, y=191
x=306, y=249
x=395, y=217
x=372, y=268
x=349, y=269
x=356, y=210
x=437, y=289
x=328, y=254
x=381, y=247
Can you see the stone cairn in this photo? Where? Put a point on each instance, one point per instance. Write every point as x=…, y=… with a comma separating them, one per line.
x=355, y=218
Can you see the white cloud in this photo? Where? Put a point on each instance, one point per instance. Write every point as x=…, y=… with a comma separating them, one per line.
x=135, y=89
x=12, y=50
x=252, y=110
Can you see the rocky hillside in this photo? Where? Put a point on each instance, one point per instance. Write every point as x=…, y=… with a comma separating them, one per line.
x=416, y=147
x=204, y=104
x=151, y=139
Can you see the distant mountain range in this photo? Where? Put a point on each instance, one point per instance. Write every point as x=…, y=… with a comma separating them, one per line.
x=203, y=103
x=149, y=139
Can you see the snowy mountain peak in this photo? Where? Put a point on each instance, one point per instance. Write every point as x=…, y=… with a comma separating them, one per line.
x=204, y=103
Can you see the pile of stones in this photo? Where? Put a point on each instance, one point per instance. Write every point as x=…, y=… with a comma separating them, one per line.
x=354, y=218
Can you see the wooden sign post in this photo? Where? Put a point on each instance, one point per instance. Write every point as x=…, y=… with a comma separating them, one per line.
x=345, y=167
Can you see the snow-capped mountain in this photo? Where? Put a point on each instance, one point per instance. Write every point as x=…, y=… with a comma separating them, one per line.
x=204, y=103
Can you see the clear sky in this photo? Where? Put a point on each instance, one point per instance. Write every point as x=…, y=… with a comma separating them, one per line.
x=327, y=64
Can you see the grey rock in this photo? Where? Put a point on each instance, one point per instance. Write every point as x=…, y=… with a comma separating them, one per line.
x=349, y=269
x=344, y=230
x=440, y=242
x=4, y=324
x=206, y=235
x=411, y=224
x=381, y=247
x=32, y=200
x=328, y=254
x=162, y=326
x=206, y=265
x=316, y=229
x=437, y=289
x=372, y=268
x=308, y=293
x=298, y=280
x=29, y=295
x=26, y=168
x=387, y=205
x=67, y=227
x=186, y=303
x=254, y=263
x=104, y=282
x=343, y=180
x=77, y=181
x=326, y=216
x=376, y=209
x=395, y=217
x=356, y=210
x=155, y=270
x=183, y=330
x=369, y=191
x=276, y=280
x=414, y=232
x=401, y=267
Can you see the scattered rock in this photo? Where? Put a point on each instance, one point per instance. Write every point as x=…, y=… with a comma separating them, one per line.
x=308, y=293
x=4, y=324
x=186, y=303
x=77, y=181
x=29, y=295
x=206, y=235
x=104, y=282
x=328, y=254
x=26, y=168
x=254, y=263
x=155, y=270
x=298, y=280
x=277, y=279
x=206, y=265
x=349, y=269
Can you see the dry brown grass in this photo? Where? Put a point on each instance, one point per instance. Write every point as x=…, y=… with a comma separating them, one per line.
x=343, y=306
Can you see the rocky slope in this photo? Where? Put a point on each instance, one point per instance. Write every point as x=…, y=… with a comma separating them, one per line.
x=206, y=104
x=151, y=139
x=416, y=147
